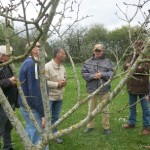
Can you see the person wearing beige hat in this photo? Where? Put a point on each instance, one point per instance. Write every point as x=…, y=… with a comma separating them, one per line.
x=96, y=71
x=8, y=84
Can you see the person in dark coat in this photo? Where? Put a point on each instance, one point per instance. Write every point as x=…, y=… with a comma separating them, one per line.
x=9, y=88
x=137, y=86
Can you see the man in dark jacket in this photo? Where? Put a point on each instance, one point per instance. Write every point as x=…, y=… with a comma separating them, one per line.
x=96, y=71
x=137, y=86
x=8, y=85
x=29, y=77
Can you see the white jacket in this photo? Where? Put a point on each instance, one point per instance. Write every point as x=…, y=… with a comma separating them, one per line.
x=54, y=73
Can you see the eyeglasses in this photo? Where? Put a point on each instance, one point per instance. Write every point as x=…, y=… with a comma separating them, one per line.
x=98, y=50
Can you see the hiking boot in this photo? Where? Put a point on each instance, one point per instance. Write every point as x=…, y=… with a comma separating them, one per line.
x=146, y=131
x=107, y=131
x=128, y=126
x=59, y=141
x=87, y=130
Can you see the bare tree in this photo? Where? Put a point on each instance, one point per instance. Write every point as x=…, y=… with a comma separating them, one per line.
x=48, y=20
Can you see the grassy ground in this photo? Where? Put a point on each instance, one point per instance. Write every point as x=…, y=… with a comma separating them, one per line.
x=120, y=139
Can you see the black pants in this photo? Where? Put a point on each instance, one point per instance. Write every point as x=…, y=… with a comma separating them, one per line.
x=5, y=130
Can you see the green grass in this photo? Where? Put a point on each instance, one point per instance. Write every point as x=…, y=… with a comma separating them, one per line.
x=120, y=139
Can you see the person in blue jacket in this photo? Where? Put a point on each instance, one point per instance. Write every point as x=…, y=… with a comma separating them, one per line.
x=30, y=83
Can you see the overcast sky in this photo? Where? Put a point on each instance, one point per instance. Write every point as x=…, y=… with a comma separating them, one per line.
x=103, y=12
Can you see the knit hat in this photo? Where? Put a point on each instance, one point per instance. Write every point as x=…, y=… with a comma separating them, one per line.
x=5, y=51
x=98, y=46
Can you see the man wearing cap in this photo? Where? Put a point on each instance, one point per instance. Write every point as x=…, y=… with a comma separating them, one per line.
x=30, y=83
x=8, y=85
x=96, y=71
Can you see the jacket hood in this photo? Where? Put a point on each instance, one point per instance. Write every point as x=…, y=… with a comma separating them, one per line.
x=103, y=57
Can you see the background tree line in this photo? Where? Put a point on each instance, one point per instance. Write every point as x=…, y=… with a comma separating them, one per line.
x=78, y=41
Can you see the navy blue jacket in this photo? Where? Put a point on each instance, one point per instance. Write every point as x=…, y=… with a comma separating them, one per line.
x=31, y=86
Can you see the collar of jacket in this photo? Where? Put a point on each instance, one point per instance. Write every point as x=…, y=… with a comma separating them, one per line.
x=103, y=57
x=2, y=66
x=55, y=65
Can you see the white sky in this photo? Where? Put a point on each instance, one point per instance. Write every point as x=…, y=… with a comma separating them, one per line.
x=102, y=12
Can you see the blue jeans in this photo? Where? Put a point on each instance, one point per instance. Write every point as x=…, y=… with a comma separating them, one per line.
x=55, y=108
x=30, y=128
x=145, y=109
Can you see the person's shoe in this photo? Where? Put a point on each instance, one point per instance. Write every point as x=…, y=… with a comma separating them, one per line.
x=59, y=141
x=146, y=132
x=107, y=131
x=87, y=130
x=128, y=126
x=10, y=148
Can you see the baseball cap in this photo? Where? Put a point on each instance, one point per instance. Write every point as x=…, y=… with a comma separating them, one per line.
x=98, y=46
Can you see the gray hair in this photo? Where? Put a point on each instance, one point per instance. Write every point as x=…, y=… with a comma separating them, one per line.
x=55, y=51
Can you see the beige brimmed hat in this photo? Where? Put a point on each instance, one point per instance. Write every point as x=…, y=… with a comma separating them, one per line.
x=99, y=46
x=4, y=51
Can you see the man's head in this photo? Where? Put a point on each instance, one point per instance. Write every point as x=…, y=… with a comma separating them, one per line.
x=59, y=54
x=5, y=53
x=35, y=50
x=98, y=50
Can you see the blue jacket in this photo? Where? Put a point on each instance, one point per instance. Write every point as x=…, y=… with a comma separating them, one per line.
x=30, y=86
x=93, y=65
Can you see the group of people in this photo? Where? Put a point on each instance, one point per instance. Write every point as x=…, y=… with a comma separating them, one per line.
x=30, y=83
x=96, y=71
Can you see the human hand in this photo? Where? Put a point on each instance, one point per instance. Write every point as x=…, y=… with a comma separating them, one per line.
x=43, y=122
x=97, y=75
x=13, y=80
x=62, y=83
x=147, y=98
x=140, y=67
